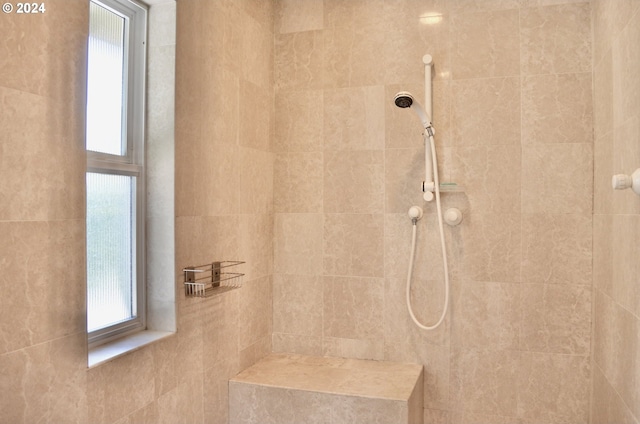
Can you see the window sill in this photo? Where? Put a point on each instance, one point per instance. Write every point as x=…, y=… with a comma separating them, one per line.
x=108, y=351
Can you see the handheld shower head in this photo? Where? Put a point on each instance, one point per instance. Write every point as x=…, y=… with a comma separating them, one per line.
x=404, y=99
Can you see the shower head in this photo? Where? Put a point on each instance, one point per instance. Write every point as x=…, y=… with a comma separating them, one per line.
x=404, y=99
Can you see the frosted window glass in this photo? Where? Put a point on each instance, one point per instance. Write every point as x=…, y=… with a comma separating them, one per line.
x=111, y=276
x=105, y=82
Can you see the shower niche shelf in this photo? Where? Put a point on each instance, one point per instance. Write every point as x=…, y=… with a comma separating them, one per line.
x=212, y=278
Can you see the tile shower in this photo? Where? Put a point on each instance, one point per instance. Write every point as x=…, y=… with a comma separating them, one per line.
x=285, y=123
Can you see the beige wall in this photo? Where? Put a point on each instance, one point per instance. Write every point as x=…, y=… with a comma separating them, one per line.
x=42, y=227
x=616, y=338
x=223, y=211
x=513, y=119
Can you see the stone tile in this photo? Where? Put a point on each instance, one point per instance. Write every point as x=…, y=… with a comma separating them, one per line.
x=294, y=254
x=491, y=177
x=297, y=305
x=353, y=245
x=553, y=388
x=353, y=181
x=299, y=59
x=555, y=319
x=298, y=16
x=556, y=39
x=486, y=315
x=486, y=112
x=486, y=44
x=299, y=122
x=557, y=248
x=344, y=129
x=492, y=246
x=353, y=308
x=557, y=109
x=557, y=178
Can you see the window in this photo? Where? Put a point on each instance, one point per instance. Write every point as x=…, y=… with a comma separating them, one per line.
x=115, y=177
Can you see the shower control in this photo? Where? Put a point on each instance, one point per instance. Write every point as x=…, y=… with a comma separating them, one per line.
x=623, y=181
x=453, y=216
x=415, y=213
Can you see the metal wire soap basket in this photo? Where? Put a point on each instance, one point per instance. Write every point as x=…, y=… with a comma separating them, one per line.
x=211, y=279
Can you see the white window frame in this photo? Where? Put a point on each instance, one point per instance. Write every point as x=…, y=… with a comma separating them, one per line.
x=131, y=163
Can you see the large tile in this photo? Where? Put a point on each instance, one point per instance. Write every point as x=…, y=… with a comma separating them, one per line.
x=298, y=182
x=298, y=244
x=625, y=268
x=46, y=383
x=553, y=388
x=353, y=181
x=120, y=387
x=413, y=29
x=299, y=121
x=256, y=104
x=299, y=59
x=603, y=96
x=44, y=282
x=616, y=341
x=255, y=233
x=297, y=305
x=607, y=405
x=35, y=144
x=557, y=248
x=486, y=44
x=486, y=315
x=556, y=39
x=351, y=56
x=492, y=246
x=557, y=178
x=486, y=112
x=555, y=319
x=354, y=118
x=295, y=343
x=185, y=403
x=609, y=19
x=557, y=109
x=255, y=296
x=491, y=177
x=625, y=62
x=353, y=245
x=256, y=186
x=299, y=16
x=483, y=381
x=353, y=307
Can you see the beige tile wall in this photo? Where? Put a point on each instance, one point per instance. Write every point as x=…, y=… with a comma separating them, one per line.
x=42, y=309
x=616, y=322
x=224, y=210
x=513, y=116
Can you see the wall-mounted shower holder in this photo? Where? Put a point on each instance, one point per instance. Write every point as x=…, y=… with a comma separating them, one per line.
x=623, y=181
x=211, y=279
x=453, y=216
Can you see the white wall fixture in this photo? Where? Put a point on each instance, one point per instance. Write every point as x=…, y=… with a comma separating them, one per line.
x=623, y=181
x=453, y=216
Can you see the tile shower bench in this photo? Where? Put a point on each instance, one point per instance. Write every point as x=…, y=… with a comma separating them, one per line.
x=293, y=389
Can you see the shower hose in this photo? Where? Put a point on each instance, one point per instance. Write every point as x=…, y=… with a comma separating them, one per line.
x=428, y=138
